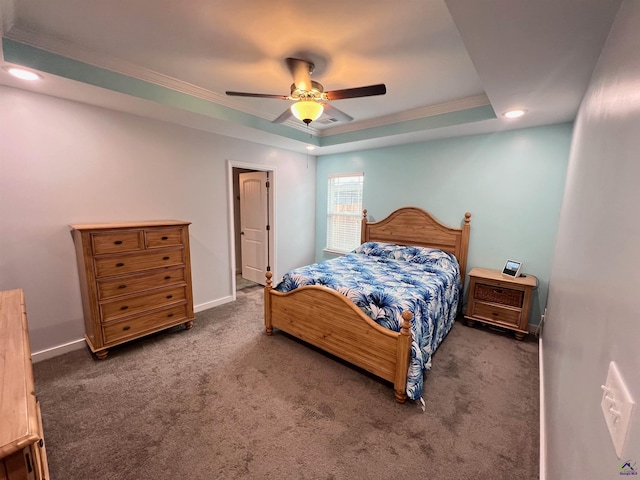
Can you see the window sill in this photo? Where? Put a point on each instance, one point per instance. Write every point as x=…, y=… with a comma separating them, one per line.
x=335, y=252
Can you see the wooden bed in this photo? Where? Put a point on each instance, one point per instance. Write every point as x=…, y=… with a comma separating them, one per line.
x=325, y=318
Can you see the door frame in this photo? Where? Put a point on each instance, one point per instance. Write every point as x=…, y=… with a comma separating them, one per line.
x=231, y=164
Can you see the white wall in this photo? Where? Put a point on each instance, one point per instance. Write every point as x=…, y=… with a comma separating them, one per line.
x=63, y=162
x=594, y=313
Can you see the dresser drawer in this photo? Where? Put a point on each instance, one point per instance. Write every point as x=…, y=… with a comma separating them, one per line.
x=117, y=241
x=118, y=309
x=123, y=264
x=166, y=237
x=131, y=328
x=495, y=313
x=25, y=464
x=501, y=295
x=114, y=287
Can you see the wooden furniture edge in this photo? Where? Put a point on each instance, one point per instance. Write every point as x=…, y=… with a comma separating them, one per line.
x=117, y=225
x=497, y=275
x=29, y=423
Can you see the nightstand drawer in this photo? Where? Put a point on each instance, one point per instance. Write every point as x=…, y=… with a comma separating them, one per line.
x=495, y=314
x=501, y=295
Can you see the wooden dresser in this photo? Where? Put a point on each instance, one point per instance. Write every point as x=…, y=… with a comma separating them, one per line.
x=500, y=300
x=135, y=279
x=22, y=452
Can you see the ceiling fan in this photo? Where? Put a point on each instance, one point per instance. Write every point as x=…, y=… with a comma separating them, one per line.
x=310, y=99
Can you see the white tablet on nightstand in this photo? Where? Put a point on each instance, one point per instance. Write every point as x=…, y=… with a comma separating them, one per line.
x=512, y=268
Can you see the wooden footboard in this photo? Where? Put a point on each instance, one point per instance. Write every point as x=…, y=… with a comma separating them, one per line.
x=330, y=321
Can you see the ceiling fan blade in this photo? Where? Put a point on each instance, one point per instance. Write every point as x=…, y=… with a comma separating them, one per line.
x=284, y=116
x=337, y=114
x=258, y=95
x=301, y=72
x=369, y=91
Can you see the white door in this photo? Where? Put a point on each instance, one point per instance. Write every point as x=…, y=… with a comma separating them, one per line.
x=253, y=225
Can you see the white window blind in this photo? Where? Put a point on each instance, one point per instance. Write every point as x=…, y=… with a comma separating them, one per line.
x=344, y=211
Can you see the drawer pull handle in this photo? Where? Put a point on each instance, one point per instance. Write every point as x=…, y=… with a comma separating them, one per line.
x=495, y=314
x=124, y=307
x=124, y=329
x=497, y=290
x=165, y=238
x=165, y=258
x=118, y=242
x=122, y=286
x=170, y=315
x=120, y=264
x=169, y=296
x=168, y=277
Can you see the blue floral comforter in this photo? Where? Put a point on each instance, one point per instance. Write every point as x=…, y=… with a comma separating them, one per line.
x=384, y=280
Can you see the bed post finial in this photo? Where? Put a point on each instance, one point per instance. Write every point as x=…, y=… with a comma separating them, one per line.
x=464, y=246
x=267, y=303
x=405, y=328
x=363, y=227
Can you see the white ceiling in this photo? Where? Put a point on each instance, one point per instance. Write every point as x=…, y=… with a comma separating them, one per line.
x=434, y=56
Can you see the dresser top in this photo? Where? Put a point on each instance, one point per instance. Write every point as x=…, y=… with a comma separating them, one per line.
x=116, y=225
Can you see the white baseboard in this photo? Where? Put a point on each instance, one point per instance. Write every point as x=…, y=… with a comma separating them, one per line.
x=543, y=431
x=58, y=350
x=78, y=344
x=214, y=303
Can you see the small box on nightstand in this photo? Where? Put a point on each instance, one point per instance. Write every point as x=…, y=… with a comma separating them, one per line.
x=500, y=300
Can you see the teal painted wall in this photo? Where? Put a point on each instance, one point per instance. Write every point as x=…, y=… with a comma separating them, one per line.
x=511, y=182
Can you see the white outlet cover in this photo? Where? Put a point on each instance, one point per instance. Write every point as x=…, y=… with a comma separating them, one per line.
x=617, y=406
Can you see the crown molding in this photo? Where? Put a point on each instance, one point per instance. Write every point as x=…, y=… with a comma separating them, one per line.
x=7, y=19
x=408, y=115
x=76, y=52
x=7, y=15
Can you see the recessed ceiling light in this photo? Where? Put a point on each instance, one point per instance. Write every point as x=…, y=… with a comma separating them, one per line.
x=22, y=73
x=514, y=113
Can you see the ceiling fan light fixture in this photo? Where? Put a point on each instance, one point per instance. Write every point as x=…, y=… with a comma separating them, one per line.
x=307, y=110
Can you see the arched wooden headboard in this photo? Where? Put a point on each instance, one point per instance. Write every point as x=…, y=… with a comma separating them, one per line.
x=414, y=226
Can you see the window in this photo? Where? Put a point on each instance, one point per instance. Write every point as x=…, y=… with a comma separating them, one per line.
x=344, y=211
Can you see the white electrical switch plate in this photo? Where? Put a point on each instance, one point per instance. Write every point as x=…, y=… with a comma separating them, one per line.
x=617, y=406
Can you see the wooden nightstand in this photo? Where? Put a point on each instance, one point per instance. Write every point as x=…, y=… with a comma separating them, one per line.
x=500, y=300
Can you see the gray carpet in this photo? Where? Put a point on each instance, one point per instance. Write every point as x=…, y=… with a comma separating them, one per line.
x=242, y=283
x=225, y=401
